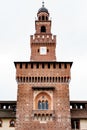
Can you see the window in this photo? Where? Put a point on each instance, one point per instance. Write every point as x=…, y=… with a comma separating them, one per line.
x=35, y=79
x=42, y=101
x=43, y=29
x=38, y=79
x=43, y=105
x=42, y=17
x=46, y=18
x=43, y=50
x=4, y=107
x=0, y=123
x=32, y=79
x=12, y=123
x=39, y=105
x=29, y=79
x=75, y=124
x=39, y=18
x=46, y=104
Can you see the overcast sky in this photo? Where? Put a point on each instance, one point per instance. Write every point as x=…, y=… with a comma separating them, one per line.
x=69, y=23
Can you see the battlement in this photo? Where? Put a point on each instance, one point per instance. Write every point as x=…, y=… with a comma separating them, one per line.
x=43, y=39
x=27, y=72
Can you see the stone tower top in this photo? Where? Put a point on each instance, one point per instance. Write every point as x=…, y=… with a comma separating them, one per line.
x=43, y=43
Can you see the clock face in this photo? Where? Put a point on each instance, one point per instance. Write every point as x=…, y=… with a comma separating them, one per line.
x=43, y=50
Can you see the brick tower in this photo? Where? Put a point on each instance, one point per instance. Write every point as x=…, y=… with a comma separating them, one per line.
x=43, y=83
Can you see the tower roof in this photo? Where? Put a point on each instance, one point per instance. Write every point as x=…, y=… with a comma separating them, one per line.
x=43, y=9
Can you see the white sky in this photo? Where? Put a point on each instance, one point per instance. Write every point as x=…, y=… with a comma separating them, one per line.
x=69, y=23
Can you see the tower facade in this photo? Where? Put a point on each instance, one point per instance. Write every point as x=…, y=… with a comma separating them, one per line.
x=43, y=83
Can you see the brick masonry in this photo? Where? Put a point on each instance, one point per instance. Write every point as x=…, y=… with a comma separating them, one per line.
x=43, y=79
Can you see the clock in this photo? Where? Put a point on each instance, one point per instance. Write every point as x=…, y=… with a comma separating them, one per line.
x=43, y=50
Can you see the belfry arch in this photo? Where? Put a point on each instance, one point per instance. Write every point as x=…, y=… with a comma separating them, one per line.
x=43, y=29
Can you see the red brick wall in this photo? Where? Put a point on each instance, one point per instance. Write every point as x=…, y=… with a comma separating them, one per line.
x=48, y=41
x=61, y=108
x=33, y=74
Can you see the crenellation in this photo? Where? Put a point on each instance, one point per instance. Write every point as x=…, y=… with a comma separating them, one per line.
x=43, y=65
x=45, y=39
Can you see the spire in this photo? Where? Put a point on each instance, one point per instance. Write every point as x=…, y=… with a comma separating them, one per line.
x=42, y=3
x=43, y=9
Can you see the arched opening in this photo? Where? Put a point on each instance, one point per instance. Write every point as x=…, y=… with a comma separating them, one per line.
x=58, y=79
x=43, y=17
x=47, y=105
x=43, y=105
x=43, y=117
x=61, y=79
x=43, y=29
x=64, y=79
x=0, y=123
x=42, y=101
x=46, y=18
x=39, y=105
x=44, y=79
x=39, y=18
x=35, y=116
x=12, y=123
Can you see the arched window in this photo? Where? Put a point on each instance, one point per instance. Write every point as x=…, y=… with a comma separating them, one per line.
x=61, y=79
x=38, y=79
x=44, y=79
x=46, y=18
x=42, y=101
x=32, y=79
x=58, y=79
x=42, y=17
x=43, y=105
x=39, y=105
x=39, y=18
x=46, y=104
x=35, y=79
x=4, y=107
x=41, y=79
x=43, y=29
x=47, y=79
x=43, y=117
x=0, y=123
x=64, y=79
x=12, y=123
